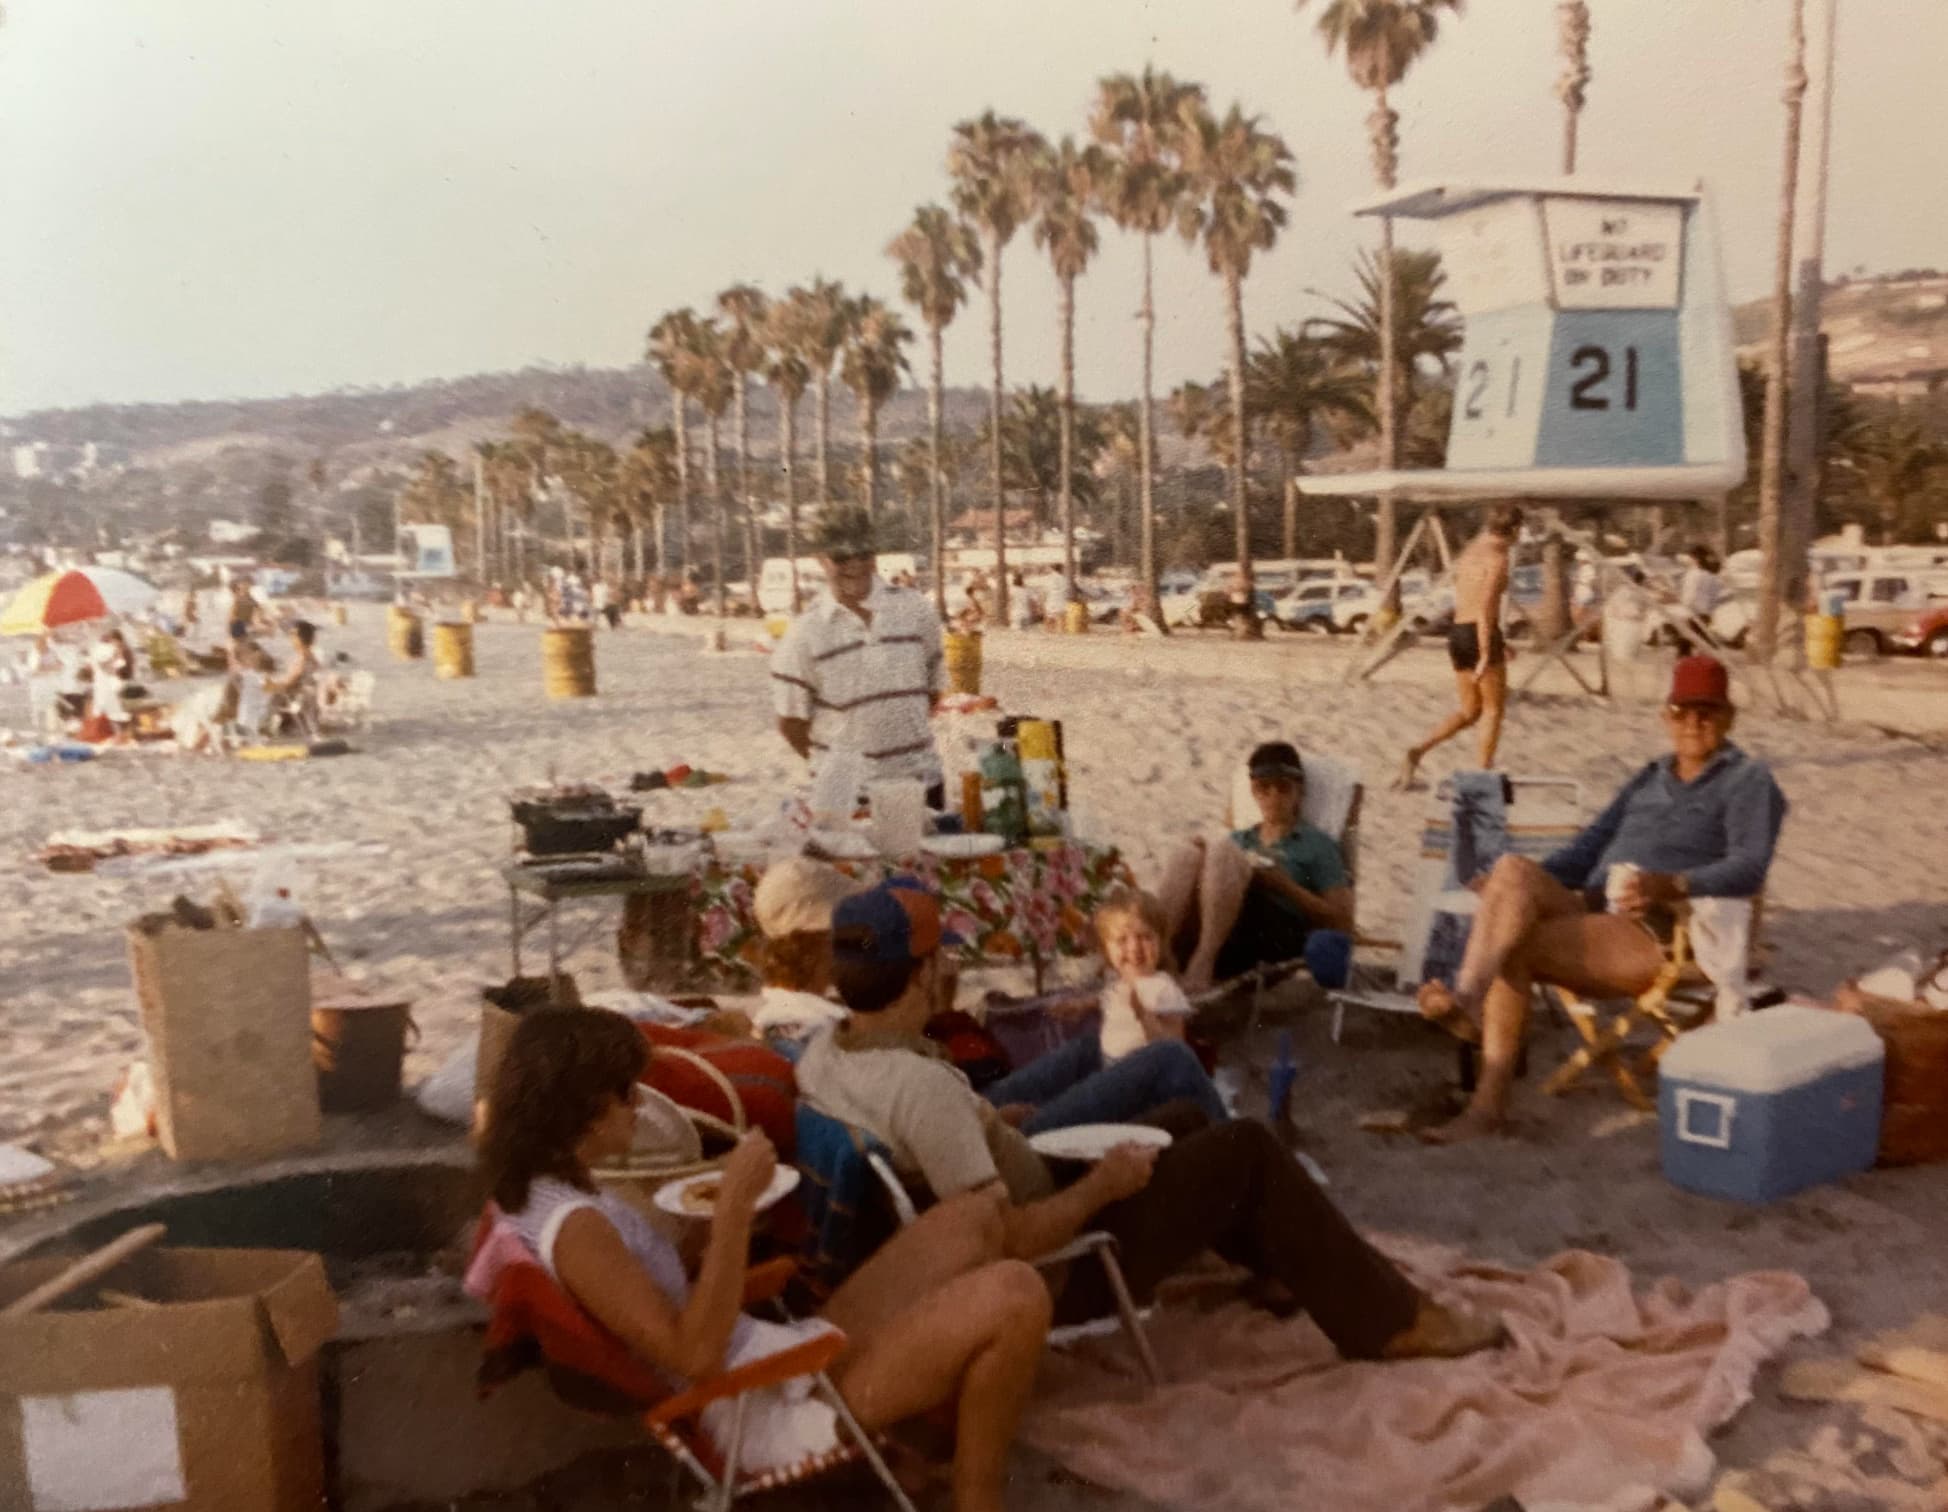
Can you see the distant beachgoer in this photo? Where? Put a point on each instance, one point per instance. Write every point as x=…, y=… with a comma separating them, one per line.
x=1699, y=593
x=243, y=609
x=1475, y=646
x=114, y=664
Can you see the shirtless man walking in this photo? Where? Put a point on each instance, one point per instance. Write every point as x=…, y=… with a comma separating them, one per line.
x=1474, y=641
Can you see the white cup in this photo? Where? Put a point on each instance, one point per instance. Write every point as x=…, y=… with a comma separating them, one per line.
x=899, y=815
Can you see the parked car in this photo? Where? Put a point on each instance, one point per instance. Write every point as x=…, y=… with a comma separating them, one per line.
x=1878, y=604
x=1926, y=631
x=1422, y=607
x=1309, y=606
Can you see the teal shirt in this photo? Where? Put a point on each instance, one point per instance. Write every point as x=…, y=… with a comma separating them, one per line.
x=1307, y=856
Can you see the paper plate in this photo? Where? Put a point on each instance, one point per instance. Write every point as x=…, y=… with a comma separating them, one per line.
x=844, y=845
x=962, y=846
x=696, y=1196
x=1093, y=1141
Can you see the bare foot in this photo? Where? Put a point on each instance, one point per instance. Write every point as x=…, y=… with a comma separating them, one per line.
x=1444, y=1333
x=1197, y=977
x=1408, y=774
x=1476, y=1123
x=1439, y=1005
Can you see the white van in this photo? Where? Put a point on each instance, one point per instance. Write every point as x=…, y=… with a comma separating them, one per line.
x=774, y=578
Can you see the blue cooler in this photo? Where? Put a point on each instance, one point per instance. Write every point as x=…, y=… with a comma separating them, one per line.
x=1770, y=1103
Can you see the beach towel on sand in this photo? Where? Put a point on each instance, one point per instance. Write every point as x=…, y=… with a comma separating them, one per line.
x=1603, y=1398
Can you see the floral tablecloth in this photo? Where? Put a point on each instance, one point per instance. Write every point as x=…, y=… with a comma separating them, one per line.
x=1022, y=904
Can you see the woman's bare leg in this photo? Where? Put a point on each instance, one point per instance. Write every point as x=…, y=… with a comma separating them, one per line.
x=975, y=1341
x=1466, y=688
x=948, y=1240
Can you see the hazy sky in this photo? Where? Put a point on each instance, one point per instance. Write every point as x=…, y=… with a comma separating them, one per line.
x=210, y=198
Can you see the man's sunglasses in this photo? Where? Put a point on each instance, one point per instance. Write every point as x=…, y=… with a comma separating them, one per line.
x=1695, y=713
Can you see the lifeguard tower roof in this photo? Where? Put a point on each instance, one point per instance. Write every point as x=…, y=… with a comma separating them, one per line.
x=1430, y=201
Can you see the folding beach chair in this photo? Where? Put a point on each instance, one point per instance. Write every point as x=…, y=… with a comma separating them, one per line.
x=533, y=1323
x=842, y=1164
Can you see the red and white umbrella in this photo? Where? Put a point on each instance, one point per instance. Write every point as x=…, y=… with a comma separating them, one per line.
x=74, y=597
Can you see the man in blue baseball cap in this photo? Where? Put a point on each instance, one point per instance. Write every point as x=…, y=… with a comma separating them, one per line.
x=1231, y=1187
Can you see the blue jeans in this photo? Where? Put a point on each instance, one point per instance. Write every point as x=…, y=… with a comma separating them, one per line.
x=1071, y=1085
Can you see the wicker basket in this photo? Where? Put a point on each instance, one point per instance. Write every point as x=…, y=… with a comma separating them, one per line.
x=1914, y=1105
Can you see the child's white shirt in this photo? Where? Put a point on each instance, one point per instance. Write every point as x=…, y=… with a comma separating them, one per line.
x=1122, y=1030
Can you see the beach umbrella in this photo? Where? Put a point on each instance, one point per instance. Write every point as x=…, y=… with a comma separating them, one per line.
x=75, y=597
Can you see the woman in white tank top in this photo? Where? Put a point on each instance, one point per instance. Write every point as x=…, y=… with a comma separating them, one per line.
x=935, y=1317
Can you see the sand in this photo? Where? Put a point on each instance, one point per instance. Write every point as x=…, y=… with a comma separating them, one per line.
x=1154, y=732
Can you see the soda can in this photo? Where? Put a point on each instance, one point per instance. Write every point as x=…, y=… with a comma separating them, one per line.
x=1621, y=875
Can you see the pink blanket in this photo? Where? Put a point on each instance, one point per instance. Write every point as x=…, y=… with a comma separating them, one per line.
x=1602, y=1398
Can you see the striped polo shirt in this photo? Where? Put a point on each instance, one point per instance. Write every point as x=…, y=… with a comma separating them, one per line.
x=867, y=688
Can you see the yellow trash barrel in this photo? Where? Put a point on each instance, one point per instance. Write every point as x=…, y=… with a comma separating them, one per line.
x=568, y=661
x=404, y=634
x=1825, y=635
x=452, y=649
x=338, y=615
x=964, y=661
x=470, y=612
x=1075, y=619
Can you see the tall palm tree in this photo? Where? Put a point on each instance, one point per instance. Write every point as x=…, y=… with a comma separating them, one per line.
x=745, y=313
x=786, y=371
x=509, y=484
x=1381, y=41
x=1772, y=447
x=1122, y=459
x=1292, y=383
x=938, y=255
x=1033, y=457
x=1426, y=325
x=991, y=160
x=816, y=317
x=1138, y=118
x=536, y=436
x=647, y=485
x=670, y=340
x=872, y=365
x=1573, y=26
x=1239, y=172
x=711, y=382
x=1066, y=179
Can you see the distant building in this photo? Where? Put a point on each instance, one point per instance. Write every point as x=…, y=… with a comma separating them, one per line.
x=231, y=533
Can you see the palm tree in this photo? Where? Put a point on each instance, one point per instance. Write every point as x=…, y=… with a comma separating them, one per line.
x=789, y=376
x=670, y=340
x=872, y=366
x=1382, y=40
x=1772, y=447
x=647, y=485
x=991, y=160
x=537, y=435
x=435, y=495
x=816, y=319
x=1190, y=410
x=1900, y=470
x=1426, y=325
x=1065, y=227
x=937, y=254
x=1238, y=172
x=509, y=484
x=1573, y=23
x=1138, y=118
x=711, y=382
x=1034, y=459
x=746, y=315
x=1292, y=383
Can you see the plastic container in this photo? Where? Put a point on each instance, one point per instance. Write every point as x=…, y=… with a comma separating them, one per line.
x=1771, y=1103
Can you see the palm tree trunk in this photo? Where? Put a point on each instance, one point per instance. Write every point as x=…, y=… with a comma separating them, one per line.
x=937, y=482
x=1235, y=311
x=788, y=453
x=1383, y=546
x=1291, y=540
x=869, y=434
x=1552, y=613
x=680, y=423
x=822, y=416
x=1803, y=471
x=1067, y=494
x=1765, y=628
x=994, y=430
x=1146, y=472
x=714, y=491
x=749, y=506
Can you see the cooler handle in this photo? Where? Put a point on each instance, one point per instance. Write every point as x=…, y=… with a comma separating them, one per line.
x=1721, y=1138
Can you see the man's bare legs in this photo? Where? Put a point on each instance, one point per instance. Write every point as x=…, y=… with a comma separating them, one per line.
x=1204, y=885
x=1467, y=686
x=1493, y=685
x=1529, y=926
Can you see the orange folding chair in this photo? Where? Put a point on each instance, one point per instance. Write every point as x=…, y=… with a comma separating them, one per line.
x=533, y=1323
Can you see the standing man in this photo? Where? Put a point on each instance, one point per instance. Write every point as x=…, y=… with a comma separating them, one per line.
x=1474, y=641
x=860, y=669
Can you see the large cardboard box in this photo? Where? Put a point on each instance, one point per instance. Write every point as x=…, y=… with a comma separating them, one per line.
x=227, y=1014
x=204, y=1402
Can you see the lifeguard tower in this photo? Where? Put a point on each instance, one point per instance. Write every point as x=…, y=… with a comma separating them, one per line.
x=1597, y=358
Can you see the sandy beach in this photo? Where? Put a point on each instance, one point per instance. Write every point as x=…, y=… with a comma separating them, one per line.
x=411, y=900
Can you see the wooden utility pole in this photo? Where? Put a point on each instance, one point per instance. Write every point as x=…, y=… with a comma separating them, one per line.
x=1803, y=432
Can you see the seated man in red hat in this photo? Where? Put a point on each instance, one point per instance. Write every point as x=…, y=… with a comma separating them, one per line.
x=1700, y=822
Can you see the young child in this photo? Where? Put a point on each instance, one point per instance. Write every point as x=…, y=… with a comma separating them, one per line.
x=1138, y=1063
x=1141, y=1003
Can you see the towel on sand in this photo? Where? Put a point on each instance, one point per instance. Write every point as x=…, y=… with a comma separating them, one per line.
x=1603, y=1397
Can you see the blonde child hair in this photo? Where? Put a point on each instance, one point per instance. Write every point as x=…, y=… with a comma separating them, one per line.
x=1130, y=902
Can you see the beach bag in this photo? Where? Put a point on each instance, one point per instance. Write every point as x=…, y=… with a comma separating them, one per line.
x=727, y=1085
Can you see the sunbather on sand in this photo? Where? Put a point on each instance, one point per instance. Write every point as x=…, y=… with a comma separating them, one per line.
x=935, y=1320
x=1261, y=893
x=1232, y=1188
x=1700, y=822
x=1139, y=1063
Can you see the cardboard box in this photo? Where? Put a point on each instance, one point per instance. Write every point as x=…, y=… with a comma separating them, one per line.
x=227, y=1014
x=205, y=1402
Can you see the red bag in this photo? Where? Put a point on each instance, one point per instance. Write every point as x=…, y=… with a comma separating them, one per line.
x=732, y=1084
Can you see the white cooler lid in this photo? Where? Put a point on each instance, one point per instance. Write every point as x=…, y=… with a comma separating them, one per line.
x=1774, y=1049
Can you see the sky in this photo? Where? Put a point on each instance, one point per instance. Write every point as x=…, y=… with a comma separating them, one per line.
x=241, y=198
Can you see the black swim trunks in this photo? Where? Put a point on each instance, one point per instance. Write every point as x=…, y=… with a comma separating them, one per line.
x=1464, y=648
